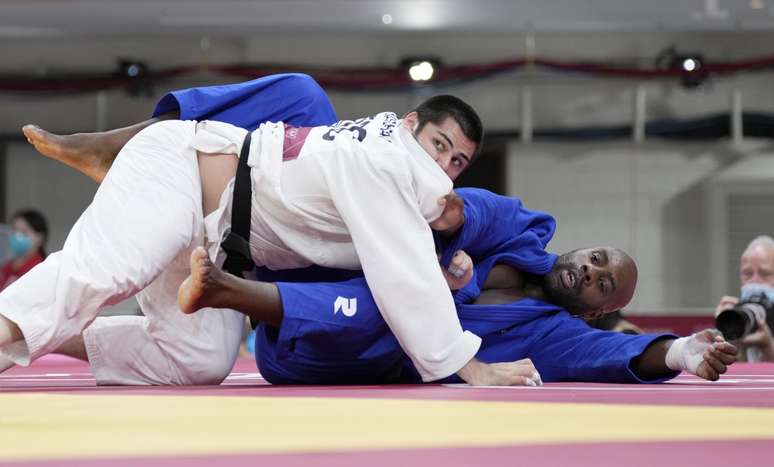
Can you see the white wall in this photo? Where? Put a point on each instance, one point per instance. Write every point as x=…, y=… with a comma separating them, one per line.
x=653, y=200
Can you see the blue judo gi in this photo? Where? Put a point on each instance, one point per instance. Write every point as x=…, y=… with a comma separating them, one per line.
x=291, y=98
x=319, y=344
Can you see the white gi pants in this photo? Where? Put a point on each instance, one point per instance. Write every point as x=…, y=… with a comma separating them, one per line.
x=135, y=237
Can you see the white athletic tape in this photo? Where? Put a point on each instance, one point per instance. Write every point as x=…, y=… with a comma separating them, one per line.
x=536, y=377
x=687, y=353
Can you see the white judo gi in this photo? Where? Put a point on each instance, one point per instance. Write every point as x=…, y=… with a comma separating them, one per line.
x=358, y=194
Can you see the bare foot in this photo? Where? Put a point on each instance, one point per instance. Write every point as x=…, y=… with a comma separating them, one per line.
x=205, y=287
x=82, y=151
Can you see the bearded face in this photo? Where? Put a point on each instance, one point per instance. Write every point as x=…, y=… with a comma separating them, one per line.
x=591, y=282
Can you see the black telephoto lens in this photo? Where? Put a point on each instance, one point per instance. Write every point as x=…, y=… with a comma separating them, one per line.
x=740, y=320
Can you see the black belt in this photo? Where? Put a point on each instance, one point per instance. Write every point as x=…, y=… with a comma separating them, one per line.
x=237, y=242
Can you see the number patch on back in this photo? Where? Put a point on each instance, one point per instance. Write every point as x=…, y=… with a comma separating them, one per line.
x=356, y=128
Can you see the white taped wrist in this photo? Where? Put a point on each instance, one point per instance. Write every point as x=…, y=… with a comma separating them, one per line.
x=686, y=353
x=673, y=357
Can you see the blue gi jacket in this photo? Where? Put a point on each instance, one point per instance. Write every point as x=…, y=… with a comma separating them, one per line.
x=318, y=344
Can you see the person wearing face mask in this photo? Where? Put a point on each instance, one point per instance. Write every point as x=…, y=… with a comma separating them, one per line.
x=756, y=275
x=27, y=245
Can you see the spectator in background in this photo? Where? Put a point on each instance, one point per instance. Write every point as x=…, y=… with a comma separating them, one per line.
x=756, y=267
x=27, y=245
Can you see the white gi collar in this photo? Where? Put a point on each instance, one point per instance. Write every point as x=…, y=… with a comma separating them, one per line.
x=420, y=156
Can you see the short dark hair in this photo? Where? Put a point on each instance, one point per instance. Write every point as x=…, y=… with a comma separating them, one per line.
x=438, y=108
x=37, y=223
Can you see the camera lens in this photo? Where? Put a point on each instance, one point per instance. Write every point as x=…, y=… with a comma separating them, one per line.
x=732, y=323
x=740, y=320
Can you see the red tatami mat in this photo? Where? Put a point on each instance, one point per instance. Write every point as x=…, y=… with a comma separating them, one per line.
x=745, y=385
x=684, y=454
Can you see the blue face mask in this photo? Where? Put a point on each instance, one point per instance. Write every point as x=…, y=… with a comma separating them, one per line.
x=20, y=244
x=756, y=289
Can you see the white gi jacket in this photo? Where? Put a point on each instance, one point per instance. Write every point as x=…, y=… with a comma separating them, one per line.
x=355, y=195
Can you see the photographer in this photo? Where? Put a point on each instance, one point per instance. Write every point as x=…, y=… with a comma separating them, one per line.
x=757, y=277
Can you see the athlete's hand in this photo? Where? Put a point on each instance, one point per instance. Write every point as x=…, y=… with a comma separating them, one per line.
x=705, y=354
x=453, y=215
x=459, y=272
x=518, y=373
x=716, y=359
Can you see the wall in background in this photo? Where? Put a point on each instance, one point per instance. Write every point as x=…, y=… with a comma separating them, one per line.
x=560, y=100
x=664, y=203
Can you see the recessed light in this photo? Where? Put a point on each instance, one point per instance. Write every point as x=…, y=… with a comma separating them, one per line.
x=421, y=71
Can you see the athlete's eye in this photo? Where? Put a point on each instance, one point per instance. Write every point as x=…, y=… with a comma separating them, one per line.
x=602, y=287
x=595, y=258
x=439, y=145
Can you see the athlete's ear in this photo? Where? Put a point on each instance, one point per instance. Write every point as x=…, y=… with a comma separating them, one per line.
x=411, y=120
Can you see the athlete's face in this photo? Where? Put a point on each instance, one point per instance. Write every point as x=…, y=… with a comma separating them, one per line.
x=591, y=282
x=445, y=142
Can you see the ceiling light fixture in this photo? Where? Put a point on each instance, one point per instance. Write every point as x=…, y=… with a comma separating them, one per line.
x=420, y=69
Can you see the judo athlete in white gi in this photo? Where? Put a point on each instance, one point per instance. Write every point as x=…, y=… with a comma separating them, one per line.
x=346, y=196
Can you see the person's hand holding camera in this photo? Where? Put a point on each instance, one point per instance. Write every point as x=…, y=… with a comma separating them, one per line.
x=761, y=339
x=745, y=321
x=725, y=303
